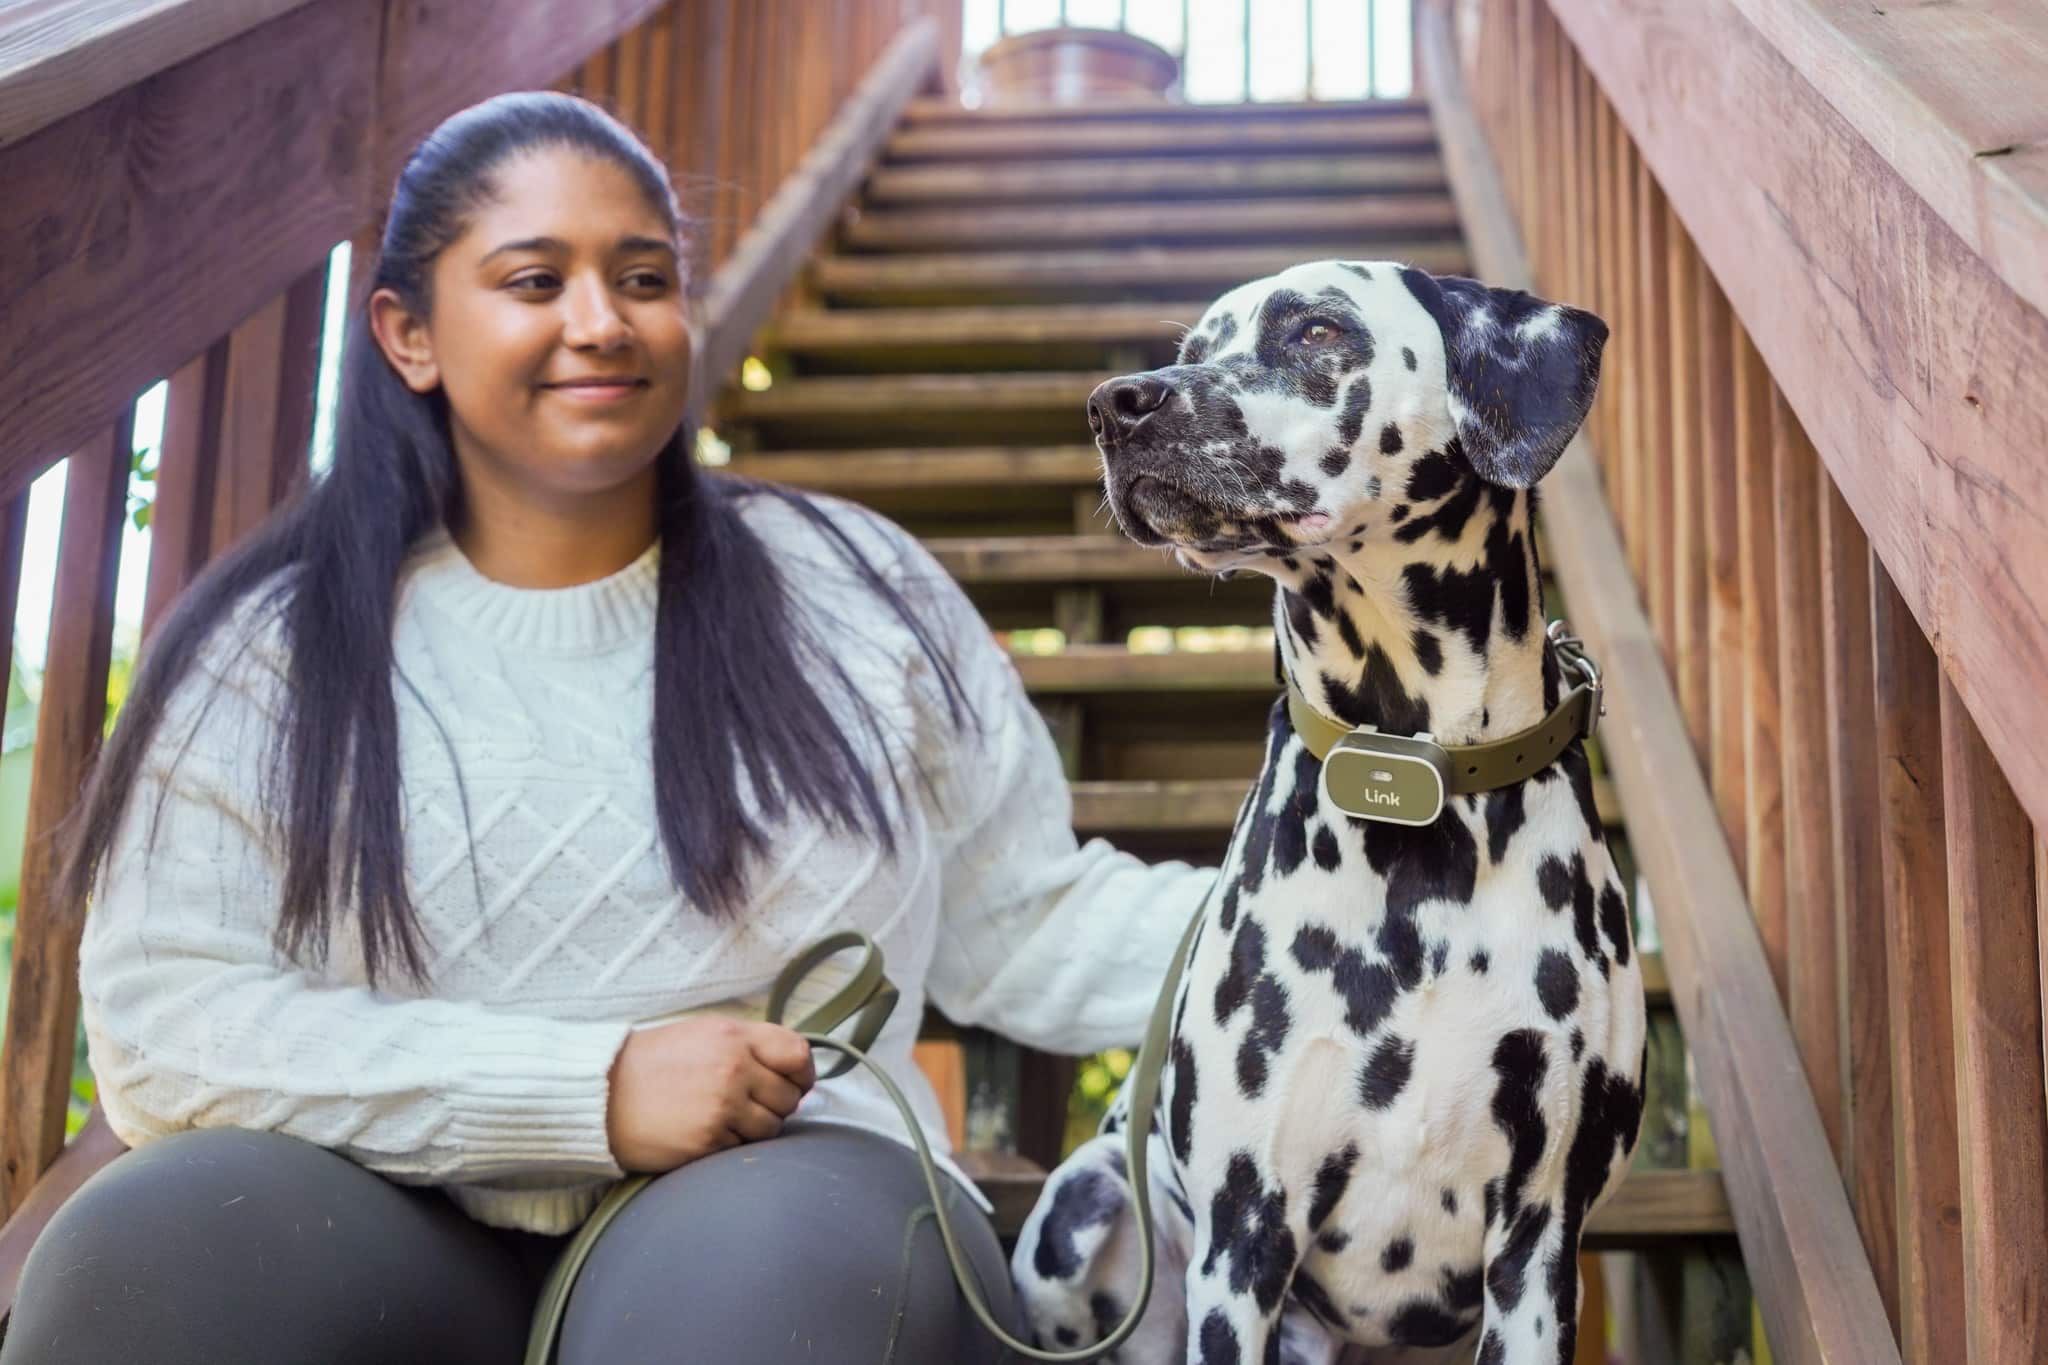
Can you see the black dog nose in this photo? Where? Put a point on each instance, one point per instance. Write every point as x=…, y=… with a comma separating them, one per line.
x=1118, y=405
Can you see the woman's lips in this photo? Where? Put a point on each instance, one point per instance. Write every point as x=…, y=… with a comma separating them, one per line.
x=597, y=393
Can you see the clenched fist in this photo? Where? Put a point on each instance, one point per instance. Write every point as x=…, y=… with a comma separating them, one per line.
x=701, y=1084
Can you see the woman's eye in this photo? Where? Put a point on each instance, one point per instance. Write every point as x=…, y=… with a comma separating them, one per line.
x=648, y=279
x=540, y=279
x=1316, y=334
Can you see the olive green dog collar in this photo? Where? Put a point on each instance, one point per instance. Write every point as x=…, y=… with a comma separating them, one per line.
x=1405, y=779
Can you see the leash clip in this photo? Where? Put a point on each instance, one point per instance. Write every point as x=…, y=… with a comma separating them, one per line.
x=1571, y=650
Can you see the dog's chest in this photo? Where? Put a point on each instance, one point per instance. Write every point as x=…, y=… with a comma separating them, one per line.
x=1361, y=1000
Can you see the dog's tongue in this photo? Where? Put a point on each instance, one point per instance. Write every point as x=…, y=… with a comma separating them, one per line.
x=1314, y=521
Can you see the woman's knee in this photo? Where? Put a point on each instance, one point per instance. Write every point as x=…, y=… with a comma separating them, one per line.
x=226, y=1244
x=817, y=1245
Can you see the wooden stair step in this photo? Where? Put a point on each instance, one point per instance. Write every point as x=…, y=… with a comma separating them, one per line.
x=1651, y=1210
x=821, y=331
x=1325, y=132
x=1158, y=177
x=1350, y=220
x=949, y=278
x=941, y=112
x=1113, y=668
x=1210, y=804
x=957, y=400
x=1056, y=559
x=852, y=473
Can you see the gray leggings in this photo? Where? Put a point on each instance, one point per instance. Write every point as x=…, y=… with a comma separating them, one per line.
x=226, y=1247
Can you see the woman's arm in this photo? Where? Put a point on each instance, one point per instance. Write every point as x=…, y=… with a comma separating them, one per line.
x=1058, y=945
x=193, y=1022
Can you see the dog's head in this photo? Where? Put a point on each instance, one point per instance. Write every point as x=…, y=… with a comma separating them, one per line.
x=1300, y=401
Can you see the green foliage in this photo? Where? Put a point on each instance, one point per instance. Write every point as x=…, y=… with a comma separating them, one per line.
x=1095, y=1085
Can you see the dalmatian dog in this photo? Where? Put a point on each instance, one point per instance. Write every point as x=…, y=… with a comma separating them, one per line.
x=1406, y=1062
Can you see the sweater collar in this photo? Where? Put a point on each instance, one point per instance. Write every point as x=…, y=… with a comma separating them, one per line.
x=589, y=616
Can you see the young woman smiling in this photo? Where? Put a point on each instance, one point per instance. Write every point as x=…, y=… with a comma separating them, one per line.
x=514, y=731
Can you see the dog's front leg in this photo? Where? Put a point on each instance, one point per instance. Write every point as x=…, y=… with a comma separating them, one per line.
x=1247, y=1244
x=1532, y=1288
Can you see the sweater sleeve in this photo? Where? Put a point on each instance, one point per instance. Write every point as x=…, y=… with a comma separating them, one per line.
x=193, y=1021
x=1059, y=945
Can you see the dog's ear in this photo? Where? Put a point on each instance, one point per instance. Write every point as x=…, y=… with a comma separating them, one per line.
x=1521, y=372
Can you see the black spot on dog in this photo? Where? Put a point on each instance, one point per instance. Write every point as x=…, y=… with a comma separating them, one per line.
x=1266, y=1036
x=1335, y=462
x=1463, y=1290
x=1194, y=349
x=1290, y=825
x=1422, y=863
x=1328, y=857
x=1398, y=514
x=1439, y=957
x=1247, y=961
x=1578, y=1044
x=1554, y=880
x=1399, y=1254
x=1492, y=1351
x=1357, y=545
x=1519, y=1065
x=1333, y=1239
x=1386, y=1073
x=1432, y=476
x=1219, y=1340
x=1180, y=1120
x=1449, y=1200
x=1106, y=1312
x=1453, y=598
x=1368, y=988
x=1310, y=1294
x=1224, y=328
x=1333, y=1177
x=1248, y=1223
x=1479, y=962
x=1301, y=618
x=1390, y=439
x=1087, y=1199
x=1614, y=921
x=1557, y=983
x=1505, y=814
x=1422, y=1322
x=1408, y=357
x=1351, y=419
x=1320, y=592
x=1357, y=269
x=1428, y=652
x=1449, y=518
x=1066, y=1336
x=1507, y=1273
x=1347, y=631
x=1580, y=773
x=1378, y=698
x=1610, y=1115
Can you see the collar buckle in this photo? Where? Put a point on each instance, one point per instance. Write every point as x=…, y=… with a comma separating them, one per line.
x=1571, y=651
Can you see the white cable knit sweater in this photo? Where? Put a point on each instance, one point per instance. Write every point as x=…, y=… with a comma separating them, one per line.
x=494, y=1084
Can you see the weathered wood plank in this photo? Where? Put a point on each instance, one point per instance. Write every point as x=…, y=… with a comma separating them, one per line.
x=1803, y=758
x=1763, y=770
x=1347, y=224
x=267, y=418
x=1028, y=559
x=1182, y=137
x=1155, y=179
x=1912, y=843
x=1829, y=255
x=1723, y=643
x=827, y=331
x=60, y=56
x=925, y=113
x=1042, y=276
x=1861, y=986
x=1112, y=668
x=2001, y=1110
x=42, y=1007
x=1691, y=642
x=901, y=394
x=181, y=515
x=869, y=471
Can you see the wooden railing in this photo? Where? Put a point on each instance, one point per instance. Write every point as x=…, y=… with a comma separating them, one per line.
x=176, y=182
x=1807, y=531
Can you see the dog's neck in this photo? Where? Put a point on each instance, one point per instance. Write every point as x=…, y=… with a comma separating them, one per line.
x=1429, y=618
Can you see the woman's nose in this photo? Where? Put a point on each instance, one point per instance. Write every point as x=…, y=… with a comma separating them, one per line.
x=593, y=322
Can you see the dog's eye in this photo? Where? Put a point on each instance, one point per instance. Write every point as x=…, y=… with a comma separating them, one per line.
x=1317, y=333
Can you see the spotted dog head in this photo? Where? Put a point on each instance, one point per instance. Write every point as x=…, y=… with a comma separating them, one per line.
x=1298, y=398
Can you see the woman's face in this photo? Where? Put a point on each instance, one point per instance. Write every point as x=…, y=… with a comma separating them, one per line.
x=558, y=332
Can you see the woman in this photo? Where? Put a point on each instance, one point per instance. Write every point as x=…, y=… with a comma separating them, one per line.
x=514, y=731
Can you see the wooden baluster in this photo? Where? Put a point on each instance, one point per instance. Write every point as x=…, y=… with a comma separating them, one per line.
x=181, y=518
x=1721, y=495
x=1690, y=642
x=42, y=1009
x=2002, y=1113
x=1653, y=510
x=1803, y=754
x=1630, y=331
x=631, y=67
x=1862, y=1002
x=1912, y=849
x=659, y=123
x=1607, y=296
x=1763, y=775
x=267, y=424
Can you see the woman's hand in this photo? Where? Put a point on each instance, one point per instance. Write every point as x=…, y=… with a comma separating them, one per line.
x=701, y=1084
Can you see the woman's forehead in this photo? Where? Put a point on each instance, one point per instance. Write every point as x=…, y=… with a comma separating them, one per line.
x=569, y=198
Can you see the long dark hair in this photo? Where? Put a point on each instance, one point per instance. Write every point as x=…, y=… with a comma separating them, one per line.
x=733, y=661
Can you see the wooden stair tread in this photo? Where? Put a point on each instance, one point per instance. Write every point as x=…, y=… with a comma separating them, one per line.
x=1211, y=804
x=1650, y=1209
x=1113, y=668
x=1183, y=137
x=1084, y=274
x=913, y=393
x=821, y=330
x=939, y=111
x=1154, y=177
x=1055, y=559
x=1352, y=218
x=854, y=472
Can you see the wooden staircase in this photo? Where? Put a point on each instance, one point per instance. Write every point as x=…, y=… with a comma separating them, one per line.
x=934, y=365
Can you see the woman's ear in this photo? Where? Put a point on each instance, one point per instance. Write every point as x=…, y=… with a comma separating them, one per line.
x=1521, y=372
x=402, y=336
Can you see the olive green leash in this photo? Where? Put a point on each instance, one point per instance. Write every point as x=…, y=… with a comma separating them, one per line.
x=871, y=997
